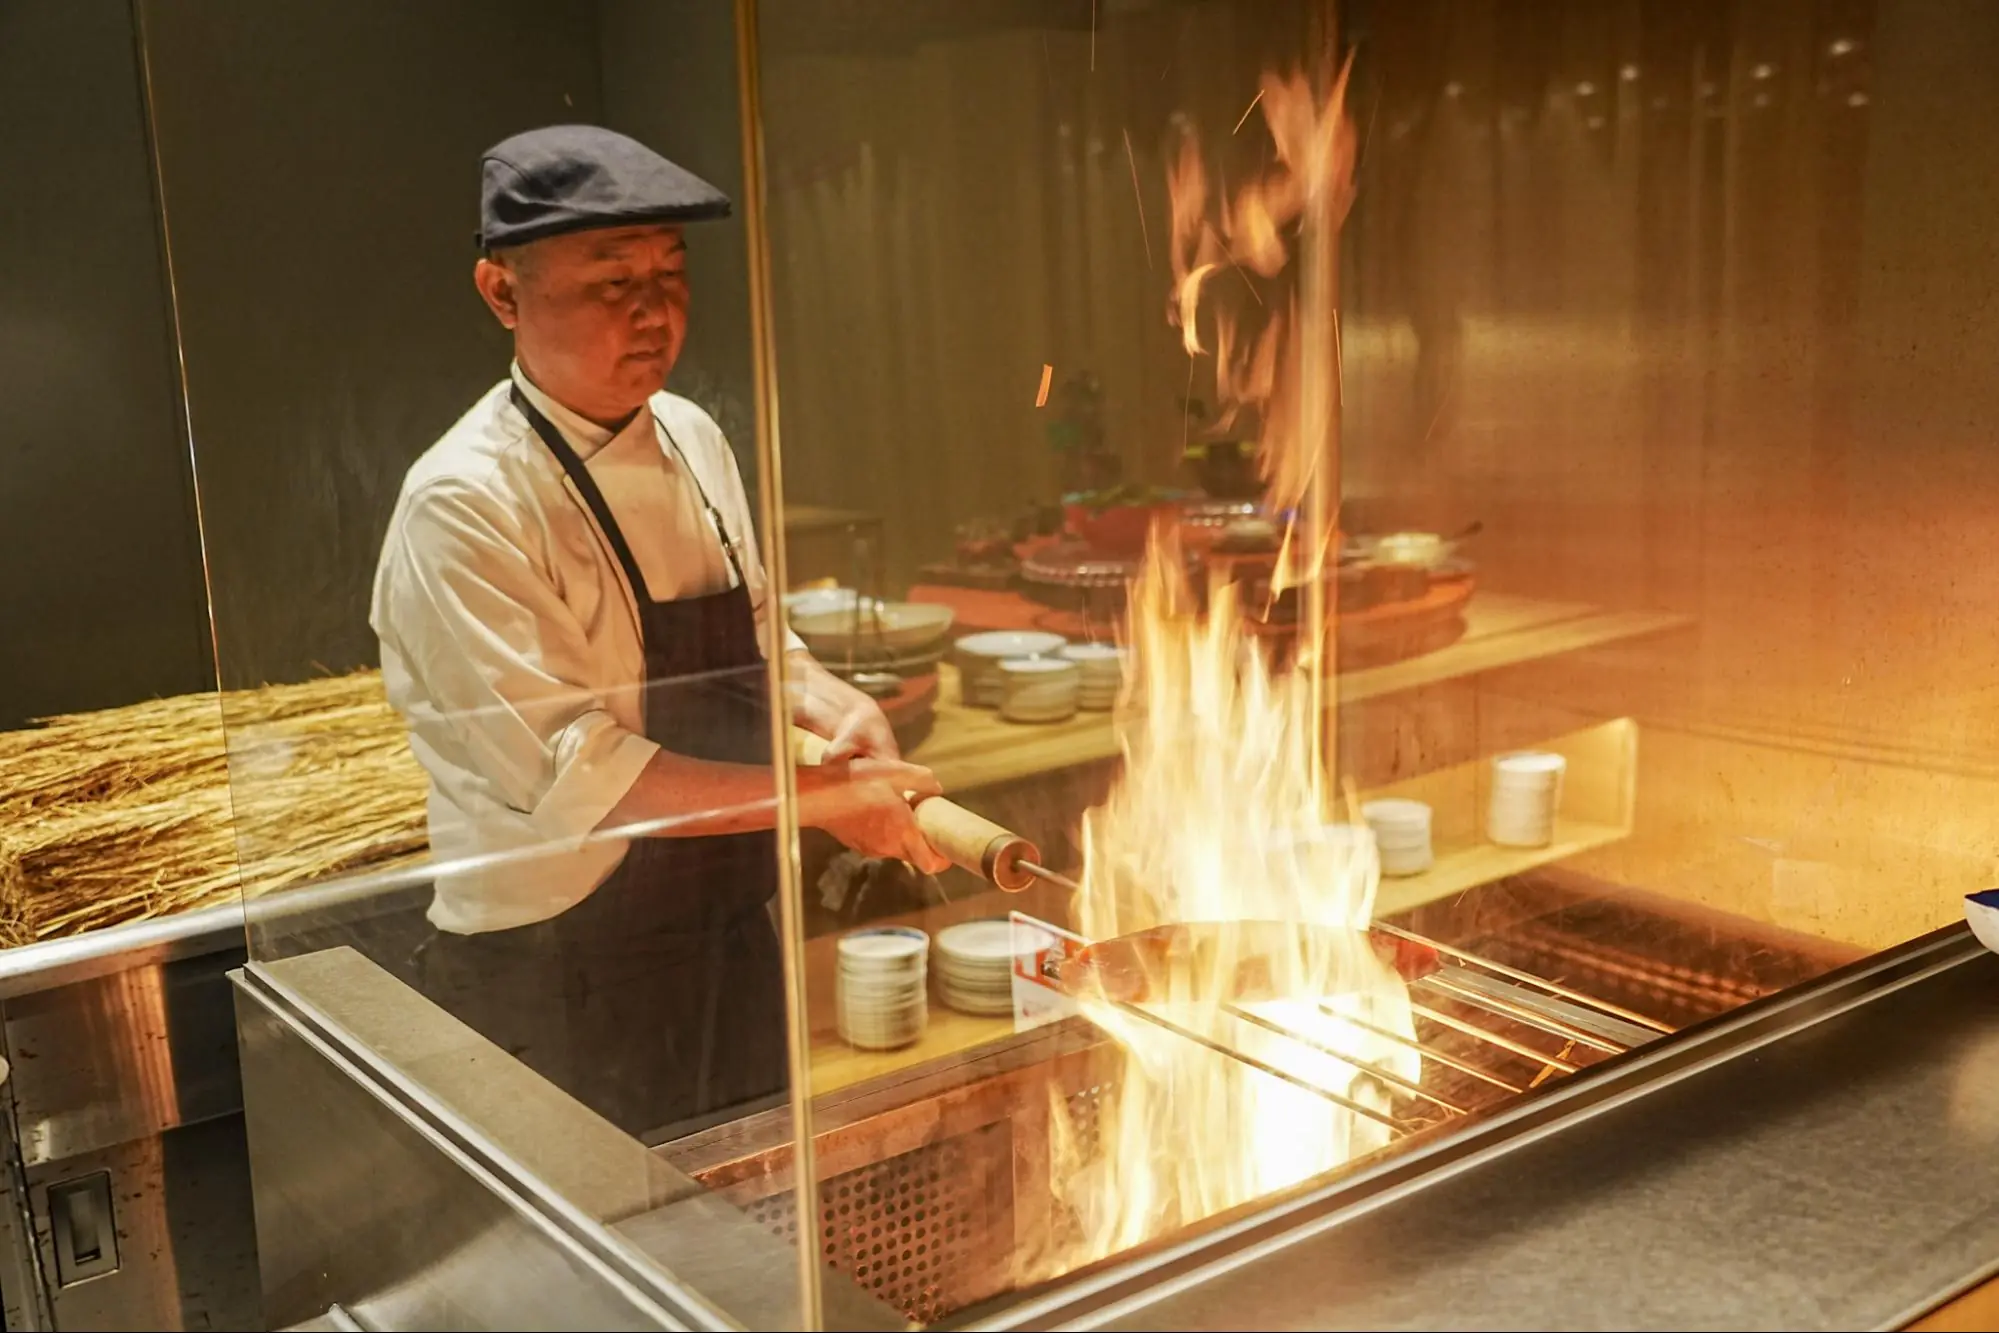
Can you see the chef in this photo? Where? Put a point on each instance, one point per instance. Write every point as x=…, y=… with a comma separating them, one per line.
x=568, y=602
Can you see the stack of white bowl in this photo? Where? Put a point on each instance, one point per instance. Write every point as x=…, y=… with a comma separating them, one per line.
x=881, y=987
x=1526, y=794
x=1401, y=834
x=980, y=680
x=1102, y=665
x=1040, y=689
x=975, y=963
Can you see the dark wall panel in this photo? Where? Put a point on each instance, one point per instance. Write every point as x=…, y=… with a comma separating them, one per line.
x=319, y=168
x=100, y=568
x=670, y=81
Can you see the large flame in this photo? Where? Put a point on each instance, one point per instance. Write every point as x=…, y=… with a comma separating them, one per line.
x=1221, y=813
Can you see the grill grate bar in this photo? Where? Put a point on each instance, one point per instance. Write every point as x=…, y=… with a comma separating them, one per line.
x=1261, y=1066
x=1443, y=1058
x=1527, y=979
x=1504, y=1043
x=1396, y=1081
x=1520, y=1013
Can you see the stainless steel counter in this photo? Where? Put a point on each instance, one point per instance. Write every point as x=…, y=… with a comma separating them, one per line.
x=1844, y=1173
x=125, y=1198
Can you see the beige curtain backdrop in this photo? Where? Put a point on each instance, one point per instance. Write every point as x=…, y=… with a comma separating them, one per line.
x=950, y=213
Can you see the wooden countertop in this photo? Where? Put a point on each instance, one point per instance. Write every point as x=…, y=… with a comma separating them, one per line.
x=975, y=747
x=836, y=1065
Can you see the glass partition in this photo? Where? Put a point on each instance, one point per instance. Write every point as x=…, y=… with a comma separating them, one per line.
x=1424, y=546
x=450, y=606
x=1504, y=392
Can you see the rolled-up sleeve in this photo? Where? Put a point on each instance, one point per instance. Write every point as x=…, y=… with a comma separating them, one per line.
x=498, y=657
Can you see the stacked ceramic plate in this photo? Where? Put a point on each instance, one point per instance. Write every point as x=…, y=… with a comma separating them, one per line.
x=979, y=657
x=1102, y=667
x=975, y=963
x=1039, y=689
x=1526, y=794
x=881, y=987
x=1401, y=834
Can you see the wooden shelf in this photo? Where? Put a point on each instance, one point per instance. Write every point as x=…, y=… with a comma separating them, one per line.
x=1475, y=863
x=836, y=1065
x=975, y=747
x=1598, y=798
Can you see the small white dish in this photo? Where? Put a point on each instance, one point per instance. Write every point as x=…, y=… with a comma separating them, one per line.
x=813, y=601
x=996, y=940
x=999, y=645
x=1530, y=768
x=1097, y=661
x=1393, y=812
x=979, y=657
x=891, y=627
x=884, y=944
x=1038, y=689
x=1981, y=911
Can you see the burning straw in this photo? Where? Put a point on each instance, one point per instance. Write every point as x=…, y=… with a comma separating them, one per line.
x=128, y=813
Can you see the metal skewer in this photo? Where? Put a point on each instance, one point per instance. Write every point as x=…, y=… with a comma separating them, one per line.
x=1044, y=873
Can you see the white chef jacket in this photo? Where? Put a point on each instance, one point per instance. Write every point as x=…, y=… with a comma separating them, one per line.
x=510, y=639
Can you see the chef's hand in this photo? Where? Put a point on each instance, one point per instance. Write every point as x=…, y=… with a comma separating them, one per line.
x=863, y=732
x=865, y=804
x=852, y=723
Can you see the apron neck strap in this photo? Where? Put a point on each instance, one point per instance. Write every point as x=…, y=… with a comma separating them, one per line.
x=593, y=496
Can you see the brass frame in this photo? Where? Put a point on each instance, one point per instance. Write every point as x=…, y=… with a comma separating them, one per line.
x=770, y=506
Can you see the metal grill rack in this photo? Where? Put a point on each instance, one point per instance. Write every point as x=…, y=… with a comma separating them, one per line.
x=1483, y=1028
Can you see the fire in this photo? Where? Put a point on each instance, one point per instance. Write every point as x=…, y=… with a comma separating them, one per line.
x=1221, y=813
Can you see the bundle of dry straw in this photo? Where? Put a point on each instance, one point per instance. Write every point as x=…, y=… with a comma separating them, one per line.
x=129, y=813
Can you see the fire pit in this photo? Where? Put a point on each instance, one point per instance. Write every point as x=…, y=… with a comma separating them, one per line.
x=939, y=1189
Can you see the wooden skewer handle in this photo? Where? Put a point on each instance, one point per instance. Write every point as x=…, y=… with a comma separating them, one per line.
x=972, y=841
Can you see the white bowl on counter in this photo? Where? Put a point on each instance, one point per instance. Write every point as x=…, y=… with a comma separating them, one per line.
x=883, y=628
x=813, y=601
x=1102, y=673
x=1039, y=689
x=979, y=657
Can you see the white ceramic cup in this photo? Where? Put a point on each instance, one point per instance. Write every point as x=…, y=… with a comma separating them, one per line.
x=1526, y=795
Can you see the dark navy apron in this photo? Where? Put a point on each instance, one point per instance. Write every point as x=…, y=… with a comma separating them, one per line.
x=658, y=1000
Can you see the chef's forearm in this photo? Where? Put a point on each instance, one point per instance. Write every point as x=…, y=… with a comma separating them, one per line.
x=701, y=797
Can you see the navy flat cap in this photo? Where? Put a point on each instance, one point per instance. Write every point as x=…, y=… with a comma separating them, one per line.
x=565, y=178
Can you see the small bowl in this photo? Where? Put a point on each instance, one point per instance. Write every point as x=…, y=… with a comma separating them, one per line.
x=879, y=949
x=813, y=601
x=979, y=657
x=1981, y=910
x=1038, y=689
x=1097, y=661
x=891, y=626
x=1000, y=644
x=1529, y=767
x=1395, y=814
